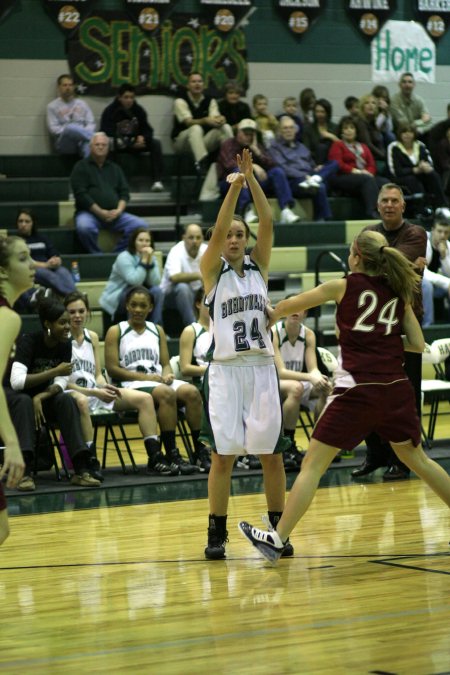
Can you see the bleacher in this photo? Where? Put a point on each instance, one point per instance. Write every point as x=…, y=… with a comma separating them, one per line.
x=41, y=183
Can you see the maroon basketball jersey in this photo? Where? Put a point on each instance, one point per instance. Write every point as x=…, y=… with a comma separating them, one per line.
x=369, y=318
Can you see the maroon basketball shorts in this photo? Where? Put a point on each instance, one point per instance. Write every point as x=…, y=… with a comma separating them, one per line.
x=352, y=414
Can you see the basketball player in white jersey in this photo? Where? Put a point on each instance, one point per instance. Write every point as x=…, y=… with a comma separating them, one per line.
x=243, y=405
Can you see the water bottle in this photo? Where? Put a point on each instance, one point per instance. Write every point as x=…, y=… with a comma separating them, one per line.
x=75, y=272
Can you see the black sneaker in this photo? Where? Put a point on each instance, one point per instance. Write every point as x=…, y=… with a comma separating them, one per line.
x=289, y=462
x=203, y=459
x=217, y=538
x=253, y=462
x=288, y=550
x=295, y=454
x=158, y=464
x=178, y=464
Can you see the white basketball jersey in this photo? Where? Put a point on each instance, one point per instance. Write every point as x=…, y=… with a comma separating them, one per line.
x=83, y=363
x=237, y=310
x=139, y=351
x=293, y=355
x=201, y=344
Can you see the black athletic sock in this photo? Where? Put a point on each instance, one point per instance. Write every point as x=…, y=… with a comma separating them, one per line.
x=152, y=446
x=168, y=440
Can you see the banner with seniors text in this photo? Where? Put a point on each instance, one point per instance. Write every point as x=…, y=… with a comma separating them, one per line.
x=109, y=50
x=400, y=47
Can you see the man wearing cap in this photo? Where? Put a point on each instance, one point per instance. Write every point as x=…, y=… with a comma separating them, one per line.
x=270, y=176
x=198, y=125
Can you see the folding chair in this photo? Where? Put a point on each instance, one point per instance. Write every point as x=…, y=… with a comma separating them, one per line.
x=110, y=419
x=305, y=419
x=437, y=389
x=51, y=437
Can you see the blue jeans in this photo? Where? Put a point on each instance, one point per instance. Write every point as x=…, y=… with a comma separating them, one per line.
x=74, y=140
x=276, y=184
x=181, y=297
x=429, y=292
x=88, y=227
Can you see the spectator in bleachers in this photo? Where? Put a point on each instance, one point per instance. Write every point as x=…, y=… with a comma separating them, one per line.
x=181, y=275
x=407, y=107
x=411, y=166
x=301, y=171
x=90, y=389
x=357, y=170
x=290, y=109
x=101, y=195
x=41, y=369
x=137, y=266
x=269, y=176
x=137, y=357
x=232, y=107
x=49, y=270
x=307, y=100
x=70, y=120
x=368, y=132
x=266, y=122
x=351, y=104
x=319, y=134
x=125, y=122
x=442, y=155
x=436, y=274
x=384, y=121
x=198, y=127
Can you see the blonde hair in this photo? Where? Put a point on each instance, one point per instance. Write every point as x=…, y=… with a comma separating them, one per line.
x=380, y=258
x=362, y=101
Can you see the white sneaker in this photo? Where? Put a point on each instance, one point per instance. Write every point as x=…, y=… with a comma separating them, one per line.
x=287, y=216
x=315, y=180
x=268, y=544
x=251, y=216
x=305, y=184
x=157, y=186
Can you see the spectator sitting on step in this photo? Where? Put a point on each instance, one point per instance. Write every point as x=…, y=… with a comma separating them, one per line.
x=90, y=389
x=436, y=274
x=70, y=120
x=307, y=100
x=40, y=370
x=199, y=127
x=266, y=123
x=407, y=107
x=368, y=131
x=125, y=122
x=302, y=173
x=357, y=169
x=181, y=275
x=269, y=176
x=137, y=357
x=232, y=107
x=101, y=195
x=319, y=134
x=411, y=166
x=290, y=109
x=137, y=266
x=50, y=272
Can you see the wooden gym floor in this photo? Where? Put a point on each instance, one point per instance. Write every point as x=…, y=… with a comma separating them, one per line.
x=112, y=583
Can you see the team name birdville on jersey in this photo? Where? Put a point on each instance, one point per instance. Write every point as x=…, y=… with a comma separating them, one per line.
x=83, y=365
x=253, y=301
x=141, y=354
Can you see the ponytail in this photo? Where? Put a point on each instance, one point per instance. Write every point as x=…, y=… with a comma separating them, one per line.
x=380, y=258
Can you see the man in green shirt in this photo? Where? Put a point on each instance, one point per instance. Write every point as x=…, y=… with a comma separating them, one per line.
x=101, y=195
x=407, y=107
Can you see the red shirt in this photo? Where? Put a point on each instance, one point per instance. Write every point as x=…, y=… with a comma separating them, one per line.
x=369, y=318
x=347, y=159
